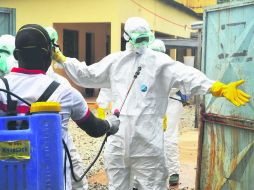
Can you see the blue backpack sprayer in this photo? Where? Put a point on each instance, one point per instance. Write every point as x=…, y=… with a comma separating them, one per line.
x=30, y=148
x=31, y=154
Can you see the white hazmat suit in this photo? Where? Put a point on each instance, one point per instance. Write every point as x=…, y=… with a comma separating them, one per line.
x=173, y=113
x=158, y=45
x=137, y=149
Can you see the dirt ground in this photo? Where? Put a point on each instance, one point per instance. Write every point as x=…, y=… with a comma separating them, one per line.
x=88, y=148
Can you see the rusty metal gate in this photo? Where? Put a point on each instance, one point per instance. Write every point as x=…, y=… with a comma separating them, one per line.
x=226, y=139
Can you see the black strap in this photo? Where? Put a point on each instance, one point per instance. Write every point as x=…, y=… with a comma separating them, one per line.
x=48, y=92
x=7, y=87
x=65, y=177
x=4, y=51
x=11, y=104
x=68, y=154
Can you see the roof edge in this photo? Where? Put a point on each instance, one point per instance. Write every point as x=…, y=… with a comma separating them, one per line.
x=182, y=7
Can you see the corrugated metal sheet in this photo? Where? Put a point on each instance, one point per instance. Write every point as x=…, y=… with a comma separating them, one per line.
x=226, y=158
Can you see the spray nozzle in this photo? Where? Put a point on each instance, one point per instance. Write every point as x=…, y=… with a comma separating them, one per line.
x=137, y=72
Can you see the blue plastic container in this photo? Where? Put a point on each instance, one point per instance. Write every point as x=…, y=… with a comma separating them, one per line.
x=32, y=158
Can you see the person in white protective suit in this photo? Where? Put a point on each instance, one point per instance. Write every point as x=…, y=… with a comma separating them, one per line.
x=7, y=46
x=172, y=119
x=137, y=149
x=173, y=113
x=33, y=52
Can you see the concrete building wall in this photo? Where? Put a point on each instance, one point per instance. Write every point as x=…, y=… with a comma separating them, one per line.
x=47, y=12
x=161, y=15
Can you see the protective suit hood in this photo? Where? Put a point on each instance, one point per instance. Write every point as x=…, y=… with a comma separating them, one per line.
x=7, y=44
x=137, y=32
x=52, y=34
x=135, y=24
x=158, y=45
x=11, y=63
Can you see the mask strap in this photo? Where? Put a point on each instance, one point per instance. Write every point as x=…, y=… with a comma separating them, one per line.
x=5, y=51
x=128, y=36
x=55, y=45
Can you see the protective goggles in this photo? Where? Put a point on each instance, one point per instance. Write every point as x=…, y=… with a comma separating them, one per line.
x=53, y=38
x=140, y=39
x=5, y=51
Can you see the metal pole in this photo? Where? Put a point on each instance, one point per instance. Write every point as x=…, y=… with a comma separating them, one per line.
x=198, y=98
x=200, y=144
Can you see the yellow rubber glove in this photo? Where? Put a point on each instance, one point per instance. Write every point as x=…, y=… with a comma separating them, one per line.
x=58, y=56
x=165, y=123
x=230, y=92
x=101, y=113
